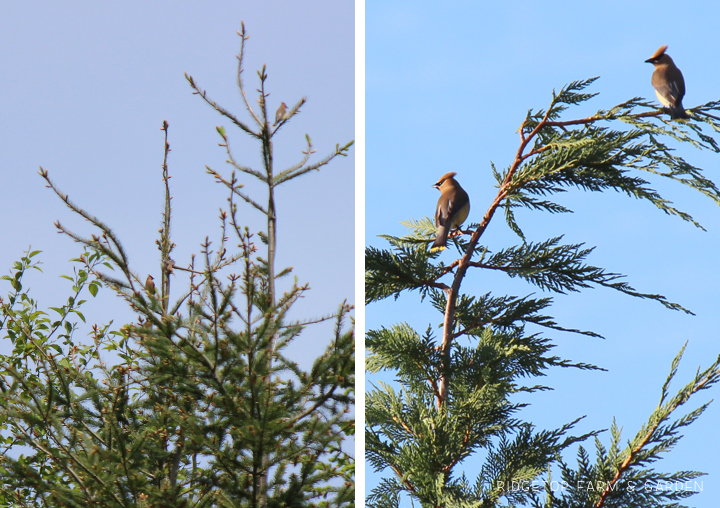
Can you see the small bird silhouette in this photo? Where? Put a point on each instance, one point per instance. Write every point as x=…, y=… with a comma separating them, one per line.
x=668, y=83
x=452, y=209
x=150, y=285
x=280, y=114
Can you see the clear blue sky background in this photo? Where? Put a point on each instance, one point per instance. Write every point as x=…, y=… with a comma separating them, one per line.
x=447, y=88
x=86, y=86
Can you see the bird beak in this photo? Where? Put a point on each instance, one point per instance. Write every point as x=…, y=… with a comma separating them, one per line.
x=649, y=60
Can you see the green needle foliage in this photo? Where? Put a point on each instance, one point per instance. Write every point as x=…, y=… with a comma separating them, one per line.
x=453, y=395
x=196, y=404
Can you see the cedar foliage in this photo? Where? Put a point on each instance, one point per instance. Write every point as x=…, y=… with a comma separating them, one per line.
x=454, y=390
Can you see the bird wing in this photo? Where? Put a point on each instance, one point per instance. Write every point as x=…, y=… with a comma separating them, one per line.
x=441, y=215
x=667, y=93
x=447, y=210
x=677, y=88
x=668, y=86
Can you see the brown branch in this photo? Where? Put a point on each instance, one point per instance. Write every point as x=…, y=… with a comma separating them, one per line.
x=452, y=265
x=449, y=320
x=403, y=425
x=474, y=325
x=437, y=285
x=407, y=483
x=478, y=264
x=466, y=439
x=188, y=270
x=537, y=151
x=706, y=114
x=623, y=467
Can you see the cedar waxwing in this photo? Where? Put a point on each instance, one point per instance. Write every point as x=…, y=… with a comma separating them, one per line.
x=452, y=208
x=150, y=285
x=280, y=114
x=668, y=83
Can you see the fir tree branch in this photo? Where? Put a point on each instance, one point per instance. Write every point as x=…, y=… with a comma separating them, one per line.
x=243, y=38
x=231, y=159
x=232, y=184
x=298, y=170
x=203, y=94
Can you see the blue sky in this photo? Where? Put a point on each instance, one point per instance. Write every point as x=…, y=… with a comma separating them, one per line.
x=446, y=89
x=87, y=86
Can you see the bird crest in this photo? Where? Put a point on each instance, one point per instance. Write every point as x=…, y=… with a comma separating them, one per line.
x=660, y=52
x=446, y=176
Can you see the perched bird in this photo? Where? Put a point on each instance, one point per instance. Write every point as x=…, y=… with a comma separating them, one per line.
x=280, y=114
x=452, y=208
x=668, y=83
x=150, y=285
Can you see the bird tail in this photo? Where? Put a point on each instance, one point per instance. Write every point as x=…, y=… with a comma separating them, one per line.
x=440, y=240
x=678, y=112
